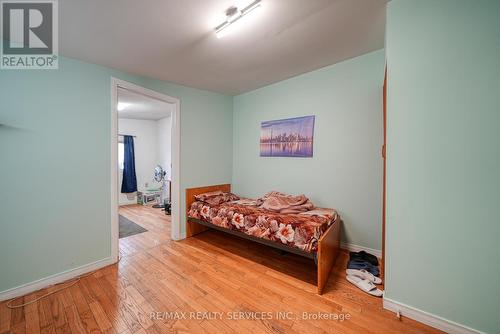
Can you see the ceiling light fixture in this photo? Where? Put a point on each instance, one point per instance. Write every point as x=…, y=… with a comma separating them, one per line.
x=121, y=106
x=233, y=15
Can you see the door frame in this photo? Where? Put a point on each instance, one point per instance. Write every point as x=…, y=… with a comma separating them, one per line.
x=175, y=156
x=384, y=157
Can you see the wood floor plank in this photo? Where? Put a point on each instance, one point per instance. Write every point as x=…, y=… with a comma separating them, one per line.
x=100, y=316
x=65, y=329
x=17, y=314
x=58, y=314
x=74, y=321
x=32, y=316
x=5, y=318
x=89, y=323
x=18, y=328
x=48, y=329
x=211, y=273
x=112, y=313
x=45, y=312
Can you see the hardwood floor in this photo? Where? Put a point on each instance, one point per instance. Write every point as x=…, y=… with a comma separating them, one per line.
x=217, y=275
x=153, y=220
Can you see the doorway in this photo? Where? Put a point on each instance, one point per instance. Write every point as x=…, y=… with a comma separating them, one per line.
x=145, y=140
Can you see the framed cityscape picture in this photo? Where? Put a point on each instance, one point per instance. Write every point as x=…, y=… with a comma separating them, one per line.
x=291, y=137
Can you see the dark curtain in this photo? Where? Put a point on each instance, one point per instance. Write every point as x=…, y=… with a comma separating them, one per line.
x=129, y=182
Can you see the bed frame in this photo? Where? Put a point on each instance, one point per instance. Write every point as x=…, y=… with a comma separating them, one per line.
x=328, y=244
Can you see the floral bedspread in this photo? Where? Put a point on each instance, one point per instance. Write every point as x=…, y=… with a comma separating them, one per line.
x=301, y=230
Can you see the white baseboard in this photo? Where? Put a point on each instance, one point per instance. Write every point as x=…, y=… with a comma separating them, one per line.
x=181, y=236
x=131, y=202
x=427, y=318
x=54, y=279
x=356, y=248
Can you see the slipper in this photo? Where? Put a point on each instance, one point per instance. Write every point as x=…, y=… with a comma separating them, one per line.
x=361, y=273
x=365, y=285
x=364, y=256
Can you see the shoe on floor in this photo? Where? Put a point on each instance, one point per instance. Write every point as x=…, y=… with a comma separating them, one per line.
x=360, y=264
x=365, y=285
x=364, y=256
x=362, y=273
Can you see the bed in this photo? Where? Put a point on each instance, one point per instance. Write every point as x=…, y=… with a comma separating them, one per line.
x=314, y=234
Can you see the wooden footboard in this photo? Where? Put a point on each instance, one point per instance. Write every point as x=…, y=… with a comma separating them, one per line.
x=194, y=228
x=328, y=250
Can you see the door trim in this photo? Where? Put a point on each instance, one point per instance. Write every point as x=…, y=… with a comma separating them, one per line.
x=176, y=148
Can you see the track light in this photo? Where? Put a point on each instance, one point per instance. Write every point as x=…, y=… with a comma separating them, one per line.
x=233, y=16
x=122, y=106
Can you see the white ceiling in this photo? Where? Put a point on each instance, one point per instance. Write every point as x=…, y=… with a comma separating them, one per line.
x=142, y=107
x=173, y=40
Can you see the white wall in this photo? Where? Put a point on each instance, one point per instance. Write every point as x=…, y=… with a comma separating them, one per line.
x=164, y=131
x=146, y=153
x=152, y=147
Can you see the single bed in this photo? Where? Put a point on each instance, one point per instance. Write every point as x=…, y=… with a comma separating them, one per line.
x=314, y=234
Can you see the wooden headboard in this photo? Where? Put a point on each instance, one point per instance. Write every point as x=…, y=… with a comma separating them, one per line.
x=193, y=228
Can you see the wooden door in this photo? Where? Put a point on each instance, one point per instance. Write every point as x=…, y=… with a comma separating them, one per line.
x=384, y=157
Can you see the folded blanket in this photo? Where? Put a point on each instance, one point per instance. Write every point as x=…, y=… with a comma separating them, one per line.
x=321, y=212
x=247, y=202
x=283, y=203
x=216, y=197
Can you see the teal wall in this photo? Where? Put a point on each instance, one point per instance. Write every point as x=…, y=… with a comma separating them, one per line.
x=55, y=163
x=443, y=217
x=346, y=170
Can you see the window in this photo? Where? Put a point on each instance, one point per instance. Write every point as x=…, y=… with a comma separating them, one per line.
x=121, y=155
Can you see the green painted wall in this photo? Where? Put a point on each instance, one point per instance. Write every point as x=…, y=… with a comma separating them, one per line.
x=346, y=170
x=55, y=163
x=443, y=217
